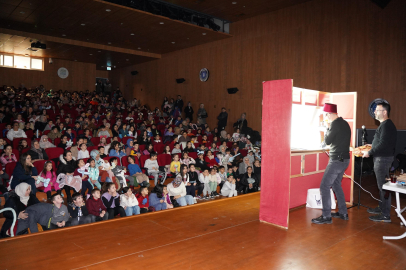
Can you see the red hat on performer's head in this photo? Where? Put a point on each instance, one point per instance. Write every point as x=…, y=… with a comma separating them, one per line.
x=330, y=108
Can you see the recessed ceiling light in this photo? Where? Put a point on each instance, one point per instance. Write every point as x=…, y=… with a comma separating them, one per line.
x=22, y=12
x=114, y=66
x=127, y=59
x=203, y=34
x=108, y=10
x=48, y=48
x=132, y=34
x=98, y=51
x=83, y=24
x=108, y=42
x=76, y=60
x=102, y=66
x=161, y=23
x=187, y=38
x=121, y=23
x=139, y=48
x=90, y=54
x=173, y=42
x=233, y=3
x=88, y=39
x=63, y=35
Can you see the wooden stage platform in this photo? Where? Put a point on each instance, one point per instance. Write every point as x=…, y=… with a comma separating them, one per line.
x=221, y=234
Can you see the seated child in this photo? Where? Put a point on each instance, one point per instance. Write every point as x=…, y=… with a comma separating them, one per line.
x=96, y=207
x=204, y=179
x=136, y=175
x=82, y=172
x=175, y=164
x=129, y=202
x=176, y=149
x=83, y=153
x=143, y=200
x=152, y=166
x=157, y=199
x=223, y=176
x=118, y=171
x=111, y=200
x=228, y=188
x=48, y=176
x=78, y=211
x=93, y=173
x=186, y=160
x=214, y=181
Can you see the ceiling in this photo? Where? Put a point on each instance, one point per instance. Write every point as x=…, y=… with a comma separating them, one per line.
x=235, y=10
x=88, y=21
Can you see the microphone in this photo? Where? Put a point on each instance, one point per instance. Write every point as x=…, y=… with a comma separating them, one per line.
x=364, y=140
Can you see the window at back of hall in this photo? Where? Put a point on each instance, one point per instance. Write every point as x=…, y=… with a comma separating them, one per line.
x=36, y=63
x=8, y=60
x=22, y=62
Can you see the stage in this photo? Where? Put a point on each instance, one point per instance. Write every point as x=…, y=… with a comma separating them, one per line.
x=220, y=234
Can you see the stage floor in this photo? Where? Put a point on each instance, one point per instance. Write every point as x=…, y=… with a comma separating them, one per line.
x=221, y=234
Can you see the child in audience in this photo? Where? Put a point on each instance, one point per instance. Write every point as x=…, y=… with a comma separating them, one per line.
x=157, y=139
x=190, y=187
x=257, y=170
x=157, y=199
x=186, y=159
x=223, y=176
x=228, y=188
x=48, y=176
x=136, y=175
x=135, y=151
x=210, y=158
x=101, y=151
x=82, y=172
x=143, y=200
x=201, y=164
x=96, y=207
x=2, y=143
x=152, y=166
x=118, y=171
x=83, y=152
x=103, y=141
x=175, y=164
x=204, y=179
x=129, y=202
x=176, y=149
x=189, y=147
x=93, y=174
x=167, y=150
x=214, y=182
x=78, y=211
x=111, y=200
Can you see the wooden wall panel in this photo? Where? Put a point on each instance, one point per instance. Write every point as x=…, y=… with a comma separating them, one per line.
x=332, y=46
x=82, y=76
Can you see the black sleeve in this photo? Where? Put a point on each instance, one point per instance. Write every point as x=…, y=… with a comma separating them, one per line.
x=72, y=213
x=10, y=204
x=45, y=154
x=108, y=203
x=117, y=201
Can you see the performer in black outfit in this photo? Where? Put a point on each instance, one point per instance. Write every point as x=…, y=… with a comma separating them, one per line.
x=338, y=136
x=383, y=150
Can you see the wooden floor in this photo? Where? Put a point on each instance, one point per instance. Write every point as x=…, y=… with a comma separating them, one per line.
x=222, y=234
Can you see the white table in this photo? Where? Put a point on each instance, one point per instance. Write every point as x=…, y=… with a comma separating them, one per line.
x=398, y=210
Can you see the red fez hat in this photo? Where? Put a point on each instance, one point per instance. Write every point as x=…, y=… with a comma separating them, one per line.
x=330, y=108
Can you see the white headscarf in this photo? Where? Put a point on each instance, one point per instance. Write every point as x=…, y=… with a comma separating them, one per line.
x=46, y=144
x=20, y=190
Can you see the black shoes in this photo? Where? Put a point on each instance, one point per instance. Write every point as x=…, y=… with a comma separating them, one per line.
x=375, y=211
x=322, y=220
x=338, y=215
x=380, y=218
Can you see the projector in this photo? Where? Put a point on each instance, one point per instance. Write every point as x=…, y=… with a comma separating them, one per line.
x=38, y=45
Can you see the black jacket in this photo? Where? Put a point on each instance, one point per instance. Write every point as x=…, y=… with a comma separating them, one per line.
x=179, y=104
x=189, y=113
x=222, y=119
x=14, y=202
x=66, y=166
x=338, y=136
x=202, y=164
x=384, y=142
x=74, y=210
x=34, y=155
x=244, y=179
x=243, y=129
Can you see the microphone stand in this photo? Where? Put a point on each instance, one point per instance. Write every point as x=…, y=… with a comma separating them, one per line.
x=364, y=141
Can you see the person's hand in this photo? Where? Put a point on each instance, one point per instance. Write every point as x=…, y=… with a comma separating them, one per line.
x=114, y=193
x=161, y=201
x=194, y=184
x=238, y=179
x=365, y=154
x=177, y=197
x=84, y=176
x=1, y=172
x=22, y=215
x=35, y=177
x=102, y=213
x=125, y=207
x=250, y=185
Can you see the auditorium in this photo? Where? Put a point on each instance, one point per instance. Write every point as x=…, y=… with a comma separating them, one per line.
x=261, y=134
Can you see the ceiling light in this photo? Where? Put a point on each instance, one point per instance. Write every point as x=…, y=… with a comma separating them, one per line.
x=139, y=48
x=161, y=23
x=233, y=3
x=173, y=42
x=82, y=24
x=98, y=51
x=203, y=34
x=48, y=48
x=102, y=66
x=121, y=23
x=76, y=60
x=108, y=42
x=187, y=38
x=127, y=59
x=114, y=66
x=63, y=35
x=108, y=10
x=90, y=54
x=108, y=68
x=132, y=34
x=22, y=12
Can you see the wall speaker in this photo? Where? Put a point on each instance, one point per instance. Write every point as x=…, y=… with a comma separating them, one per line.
x=134, y=72
x=381, y=3
x=232, y=90
x=181, y=80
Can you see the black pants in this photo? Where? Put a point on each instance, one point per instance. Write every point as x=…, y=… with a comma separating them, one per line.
x=143, y=210
x=200, y=188
x=115, y=211
x=86, y=186
x=82, y=220
x=191, y=190
x=67, y=191
x=49, y=193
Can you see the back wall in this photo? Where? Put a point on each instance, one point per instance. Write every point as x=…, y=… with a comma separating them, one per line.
x=333, y=46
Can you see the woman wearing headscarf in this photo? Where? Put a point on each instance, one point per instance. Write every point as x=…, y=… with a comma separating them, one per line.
x=36, y=152
x=25, y=171
x=18, y=200
x=202, y=114
x=177, y=191
x=244, y=165
x=129, y=147
x=44, y=143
